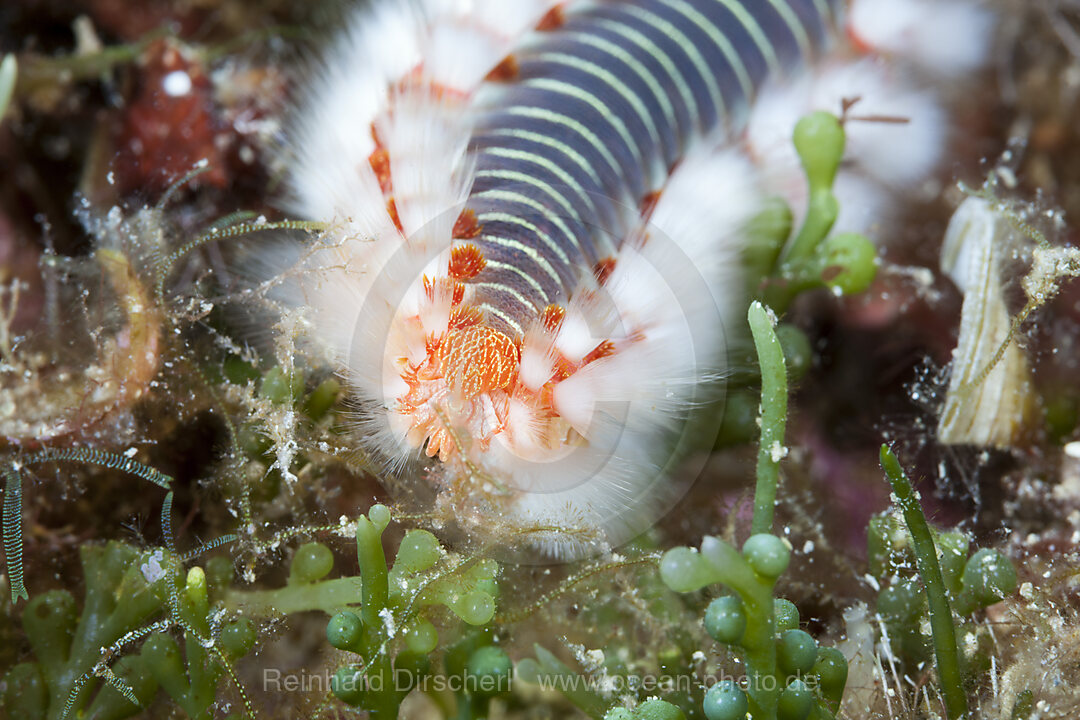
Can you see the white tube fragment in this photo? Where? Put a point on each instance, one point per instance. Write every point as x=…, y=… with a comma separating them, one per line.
x=989, y=395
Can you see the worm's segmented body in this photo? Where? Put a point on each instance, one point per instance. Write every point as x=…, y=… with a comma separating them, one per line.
x=590, y=117
x=538, y=210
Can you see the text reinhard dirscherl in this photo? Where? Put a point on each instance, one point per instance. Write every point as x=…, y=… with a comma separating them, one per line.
x=403, y=680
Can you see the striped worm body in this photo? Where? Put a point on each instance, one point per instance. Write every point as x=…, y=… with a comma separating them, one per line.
x=580, y=136
x=537, y=210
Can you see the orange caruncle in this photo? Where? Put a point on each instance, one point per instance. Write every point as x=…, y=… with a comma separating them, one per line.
x=478, y=359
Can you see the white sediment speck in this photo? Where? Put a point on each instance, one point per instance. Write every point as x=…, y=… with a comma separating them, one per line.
x=177, y=83
x=388, y=621
x=151, y=569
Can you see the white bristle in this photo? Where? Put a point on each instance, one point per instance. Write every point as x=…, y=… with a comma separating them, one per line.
x=330, y=176
x=704, y=208
x=865, y=205
x=902, y=138
x=576, y=337
x=945, y=37
x=423, y=132
x=573, y=399
x=460, y=55
x=537, y=362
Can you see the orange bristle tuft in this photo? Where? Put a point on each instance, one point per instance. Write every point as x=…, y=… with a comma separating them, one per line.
x=391, y=210
x=603, y=269
x=505, y=71
x=552, y=317
x=603, y=350
x=380, y=164
x=457, y=289
x=465, y=316
x=553, y=19
x=466, y=262
x=466, y=227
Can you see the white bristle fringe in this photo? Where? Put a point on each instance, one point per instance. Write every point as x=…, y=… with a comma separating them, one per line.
x=348, y=88
x=949, y=38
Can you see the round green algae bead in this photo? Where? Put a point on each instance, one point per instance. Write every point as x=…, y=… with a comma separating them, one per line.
x=348, y=685
x=238, y=637
x=901, y=602
x=767, y=554
x=725, y=701
x=796, y=651
x=421, y=637
x=312, y=562
x=796, y=701
x=684, y=570
x=766, y=234
x=989, y=577
x=787, y=615
x=475, y=608
x=238, y=371
x=321, y=399
x=528, y=670
x=831, y=667
x=1061, y=413
x=657, y=709
x=725, y=619
x=345, y=630
x=418, y=551
x=196, y=591
x=953, y=555
x=491, y=670
x=379, y=515
x=850, y=262
x=280, y=387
